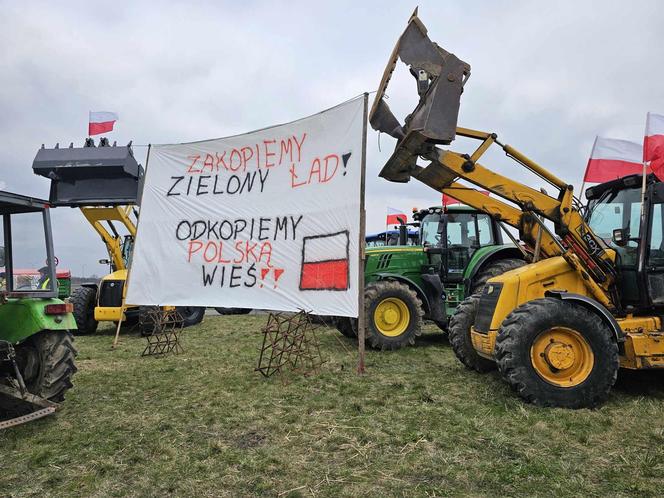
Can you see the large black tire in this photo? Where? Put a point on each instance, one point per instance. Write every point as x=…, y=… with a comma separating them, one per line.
x=84, y=300
x=47, y=363
x=523, y=327
x=191, y=315
x=347, y=326
x=459, y=334
x=376, y=293
x=233, y=311
x=494, y=269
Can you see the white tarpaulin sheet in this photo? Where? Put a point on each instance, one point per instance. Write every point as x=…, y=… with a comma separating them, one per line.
x=266, y=220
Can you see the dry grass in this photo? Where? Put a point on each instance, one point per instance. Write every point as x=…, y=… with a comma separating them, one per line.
x=205, y=424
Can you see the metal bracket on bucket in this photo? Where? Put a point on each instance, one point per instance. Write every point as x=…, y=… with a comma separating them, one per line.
x=440, y=77
x=91, y=175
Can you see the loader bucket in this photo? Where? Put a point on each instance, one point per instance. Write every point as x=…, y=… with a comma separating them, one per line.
x=89, y=175
x=440, y=77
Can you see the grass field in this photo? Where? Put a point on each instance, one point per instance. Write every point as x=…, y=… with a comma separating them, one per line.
x=204, y=423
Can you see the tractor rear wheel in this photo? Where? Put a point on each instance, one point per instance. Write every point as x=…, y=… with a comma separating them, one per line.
x=84, y=300
x=46, y=363
x=191, y=315
x=459, y=334
x=347, y=326
x=493, y=270
x=556, y=353
x=393, y=315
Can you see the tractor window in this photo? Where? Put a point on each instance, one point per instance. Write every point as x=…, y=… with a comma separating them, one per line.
x=29, y=258
x=461, y=230
x=3, y=279
x=429, y=230
x=484, y=226
x=656, y=253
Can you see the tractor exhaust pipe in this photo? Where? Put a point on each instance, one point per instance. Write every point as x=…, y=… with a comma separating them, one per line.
x=440, y=77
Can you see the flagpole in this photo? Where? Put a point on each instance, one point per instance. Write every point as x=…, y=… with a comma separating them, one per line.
x=361, y=317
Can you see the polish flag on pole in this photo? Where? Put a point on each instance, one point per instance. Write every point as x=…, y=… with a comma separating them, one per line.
x=653, y=144
x=101, y=122
x=611, y=158
x=448, y=200
x=395, y=217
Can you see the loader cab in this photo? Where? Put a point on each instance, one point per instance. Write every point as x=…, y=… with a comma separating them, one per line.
x=614, y=214
x=452, y=235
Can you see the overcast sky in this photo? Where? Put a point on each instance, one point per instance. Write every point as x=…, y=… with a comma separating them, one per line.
x=546, y=76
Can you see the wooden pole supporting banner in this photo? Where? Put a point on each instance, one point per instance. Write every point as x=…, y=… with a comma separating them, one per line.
x=126, y=285
x=361, y=321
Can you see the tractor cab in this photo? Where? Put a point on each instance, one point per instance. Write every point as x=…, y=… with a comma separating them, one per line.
x=36, y=352
x=450, y=236
x=615, y=214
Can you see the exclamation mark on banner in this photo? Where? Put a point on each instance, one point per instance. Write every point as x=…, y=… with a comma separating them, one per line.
x=277, y=273
x=345, y=157
x=264, y=271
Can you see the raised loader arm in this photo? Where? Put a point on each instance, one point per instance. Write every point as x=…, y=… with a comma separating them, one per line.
x=440, y=79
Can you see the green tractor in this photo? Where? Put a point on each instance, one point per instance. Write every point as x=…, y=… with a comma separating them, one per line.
x=36, y=345
x=459, y=249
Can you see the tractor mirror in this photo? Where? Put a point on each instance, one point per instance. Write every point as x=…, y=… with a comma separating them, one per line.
x=620, y=237
x=104, y=262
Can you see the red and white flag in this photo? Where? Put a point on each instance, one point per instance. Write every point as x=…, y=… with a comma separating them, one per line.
x=448, y=200
x=101, y=122
x=611, y=158
x=653, y=144
x=395, y=217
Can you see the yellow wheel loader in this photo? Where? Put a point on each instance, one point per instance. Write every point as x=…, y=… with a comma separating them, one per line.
x=104, y=183
x=592, y=298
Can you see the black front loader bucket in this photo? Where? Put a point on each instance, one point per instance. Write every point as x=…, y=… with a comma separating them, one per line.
x=440, y=77
x=89, y=175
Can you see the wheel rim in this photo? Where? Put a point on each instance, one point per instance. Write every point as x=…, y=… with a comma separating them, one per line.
x=562, y=357
x=391, y=317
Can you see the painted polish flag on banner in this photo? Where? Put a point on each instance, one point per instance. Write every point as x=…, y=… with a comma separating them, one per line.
x=325, y=262
x=394, y=216
x=653, y=144
x=101, y=122
x=612, y=158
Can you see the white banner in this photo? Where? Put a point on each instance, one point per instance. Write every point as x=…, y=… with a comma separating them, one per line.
x=266, y=220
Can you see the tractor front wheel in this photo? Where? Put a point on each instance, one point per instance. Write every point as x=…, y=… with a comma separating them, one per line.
x=462, y=345
x=84, y=300
x=46, y=363
x=556, y=353
x=393, y=315
x=494, y=269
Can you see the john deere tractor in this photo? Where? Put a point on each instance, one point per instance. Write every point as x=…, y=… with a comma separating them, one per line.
x=36, y=346
x=104, y=183
x=459, y=249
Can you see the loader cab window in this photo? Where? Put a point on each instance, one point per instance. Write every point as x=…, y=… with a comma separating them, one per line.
x=127, y=249
x=618, y=209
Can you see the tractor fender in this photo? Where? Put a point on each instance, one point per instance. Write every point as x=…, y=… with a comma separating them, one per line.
x=591, y=305
x=477, y=263
x=418, y=290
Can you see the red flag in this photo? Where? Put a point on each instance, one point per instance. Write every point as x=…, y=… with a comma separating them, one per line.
x=448, y=200
x=395, y=217
x=653, y=144
x=101, y=122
